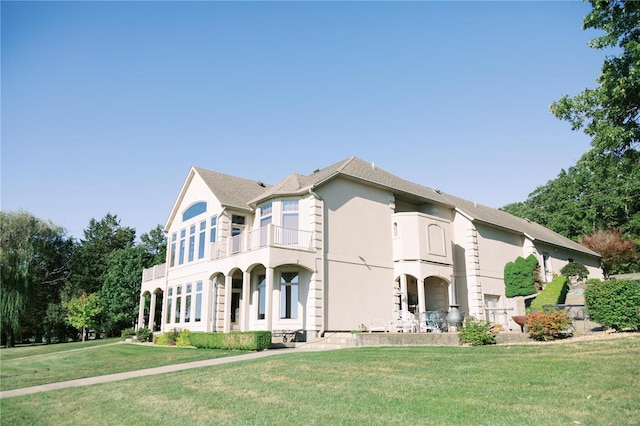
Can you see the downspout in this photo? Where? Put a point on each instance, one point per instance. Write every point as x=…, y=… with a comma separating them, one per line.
x=322, y=316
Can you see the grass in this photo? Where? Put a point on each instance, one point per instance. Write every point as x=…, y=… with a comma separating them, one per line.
x=36, y=365
x=591, y=382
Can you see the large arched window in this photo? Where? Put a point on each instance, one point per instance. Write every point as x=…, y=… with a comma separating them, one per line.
x=194, y=210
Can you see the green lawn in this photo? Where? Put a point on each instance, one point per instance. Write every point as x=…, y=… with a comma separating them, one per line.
x=36, y=365
x=591, y=382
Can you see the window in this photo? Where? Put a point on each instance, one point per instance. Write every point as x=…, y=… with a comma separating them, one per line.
x=289, y=295
x=237, y=226
x=198, y=310
x=214, y=222
x=201, y=242
x=183, y=234
x=194, y=210
x=265, y=220
x=169, y=299
x=172, y=260
x=192, y=242
x=178, y=303
x=262, y=292
x=290, y=222
x=187, y=304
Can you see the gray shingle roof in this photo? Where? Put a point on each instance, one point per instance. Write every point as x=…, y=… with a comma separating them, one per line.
x=231, y=191
x=243, y=193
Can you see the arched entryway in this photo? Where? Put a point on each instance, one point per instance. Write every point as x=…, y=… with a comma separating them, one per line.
x=436, y=293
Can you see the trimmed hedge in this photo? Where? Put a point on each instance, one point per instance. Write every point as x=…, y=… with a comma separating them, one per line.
x=521, y=276
x=553, y=294
x=614, y=303
x=246, y=341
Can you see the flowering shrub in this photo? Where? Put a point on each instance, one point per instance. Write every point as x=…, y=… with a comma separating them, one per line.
x=548, y=325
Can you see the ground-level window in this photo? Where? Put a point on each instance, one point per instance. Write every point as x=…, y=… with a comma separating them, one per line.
x=187, y=304
x=289, y=295
x=262, y=292
x=178, y=303
x=198, y=309
x=169, y=300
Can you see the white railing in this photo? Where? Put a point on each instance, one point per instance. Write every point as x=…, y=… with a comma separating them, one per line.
x=157, y=271
x=267, y=236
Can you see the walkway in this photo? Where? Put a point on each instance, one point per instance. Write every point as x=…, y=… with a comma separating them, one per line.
x=141, y=373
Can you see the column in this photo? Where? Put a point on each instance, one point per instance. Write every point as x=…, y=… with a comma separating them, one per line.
x=228, y=284
x=422, y=302
x=152, y=312
x=244, y=306
x=141, y=312
x=403, y=292
x=268, y=306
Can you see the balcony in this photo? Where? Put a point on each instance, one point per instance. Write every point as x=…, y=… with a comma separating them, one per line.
x=157, y=271
x=267, y=236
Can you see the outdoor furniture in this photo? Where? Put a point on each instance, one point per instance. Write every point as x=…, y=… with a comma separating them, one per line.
x=404, y=321
x=377, y=324
x=433, y=321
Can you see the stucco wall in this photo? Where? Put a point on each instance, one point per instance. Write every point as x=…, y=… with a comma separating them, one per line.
x=359, y=266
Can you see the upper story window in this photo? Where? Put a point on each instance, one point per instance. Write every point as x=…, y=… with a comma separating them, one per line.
x=214, y=226
x=183, y=234
x=201, y=239
x=192, y=242
x=172, y=258
x=194, y=210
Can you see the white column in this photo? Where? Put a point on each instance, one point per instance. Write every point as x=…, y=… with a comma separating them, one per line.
x=403, y=292
x=422, y=303
x=228, y=284
x=152, y=312
x=141, y=312
x=244, y=306
x=268, y=315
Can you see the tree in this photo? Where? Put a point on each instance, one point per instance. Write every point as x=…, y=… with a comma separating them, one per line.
x=610, y=113
x=91, y=258
x=155, y=243
x=521, y=277
x=120, y=292
x=83, y=311
x=615, y=250
x=33, y=265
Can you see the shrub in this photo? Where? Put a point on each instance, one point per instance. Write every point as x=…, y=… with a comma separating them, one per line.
x=128, y=333
x=183, y=338
x=554, y=293
x=614, y=303
x=248, y=341
x=575, y=269
x=168, y=337
x=521, y=277
x=476, y=333
x=548, y=325
x=143, y=334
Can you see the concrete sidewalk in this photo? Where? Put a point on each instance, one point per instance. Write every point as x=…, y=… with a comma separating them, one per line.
x=141, y=373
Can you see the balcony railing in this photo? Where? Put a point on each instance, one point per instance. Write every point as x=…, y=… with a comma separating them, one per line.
x=157, y=271
x=267, y=236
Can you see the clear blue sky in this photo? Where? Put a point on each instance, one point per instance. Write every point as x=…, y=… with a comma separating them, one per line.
x=106, y=105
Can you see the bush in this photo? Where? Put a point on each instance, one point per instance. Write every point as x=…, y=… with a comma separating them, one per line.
x=554, y=293
x=614, y=303
x=521, y=277
x=183, y=338
x=143, y=334
x=128, y=333
x=575, y=269
x=248, y=341
x=477, y=333
x=548, y=325
x=168, y=337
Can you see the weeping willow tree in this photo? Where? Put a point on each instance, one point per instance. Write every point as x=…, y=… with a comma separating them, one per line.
x=30, y=259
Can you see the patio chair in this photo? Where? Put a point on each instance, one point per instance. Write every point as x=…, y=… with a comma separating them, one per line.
x=432, y=322
x=376, y=324
x=405, y=321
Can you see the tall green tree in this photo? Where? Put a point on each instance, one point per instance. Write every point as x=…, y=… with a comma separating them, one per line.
x=91, y=257
x=155, y=243
x=120, y=293
x=610, y=113
x=34, y=257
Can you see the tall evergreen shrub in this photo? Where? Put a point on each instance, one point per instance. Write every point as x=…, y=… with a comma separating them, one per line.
x=521, y=276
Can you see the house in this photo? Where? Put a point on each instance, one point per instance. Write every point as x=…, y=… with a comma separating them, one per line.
x=329, y=250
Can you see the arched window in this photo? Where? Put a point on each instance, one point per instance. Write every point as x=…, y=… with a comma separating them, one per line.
x=194, y=210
